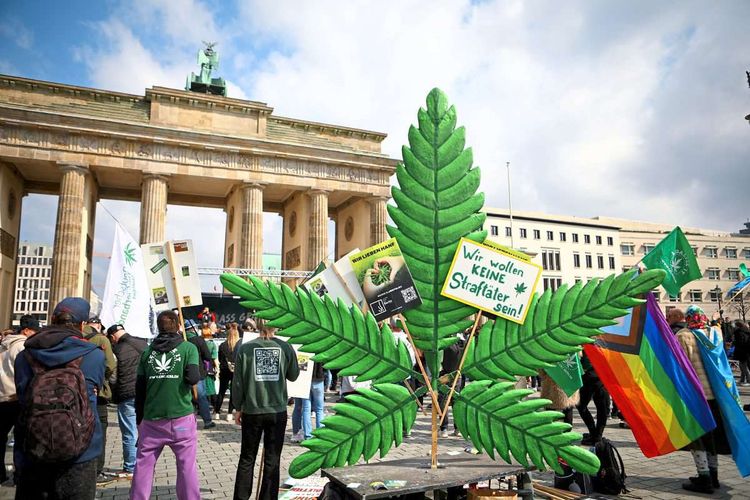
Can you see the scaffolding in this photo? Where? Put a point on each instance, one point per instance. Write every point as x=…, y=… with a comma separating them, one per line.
x=272, y=274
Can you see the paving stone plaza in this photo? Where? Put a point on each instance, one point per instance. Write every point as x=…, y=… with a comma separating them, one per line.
x=219, y=448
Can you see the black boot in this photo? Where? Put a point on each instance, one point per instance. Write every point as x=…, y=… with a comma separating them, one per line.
x=699, y=484
x=714, y=478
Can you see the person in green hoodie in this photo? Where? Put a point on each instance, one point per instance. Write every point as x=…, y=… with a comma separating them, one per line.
x=262, y=367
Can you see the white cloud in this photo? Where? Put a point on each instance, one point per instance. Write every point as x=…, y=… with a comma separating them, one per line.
x=631, y=110
x=14, y=29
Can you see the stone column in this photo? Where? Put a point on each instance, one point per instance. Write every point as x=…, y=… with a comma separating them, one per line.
x=153, y=208
x=318, y=235
x=378, y=218
x=68, y=248
x=250, y=255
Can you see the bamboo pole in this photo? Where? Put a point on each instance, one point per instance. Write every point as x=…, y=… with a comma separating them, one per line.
x=460, y=366
x=178, y=300
x=434, y=451
x=433, y=396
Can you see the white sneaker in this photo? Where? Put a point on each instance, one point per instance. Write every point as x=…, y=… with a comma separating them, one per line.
x=230, y=417
x=443, y=434
x=297, y=438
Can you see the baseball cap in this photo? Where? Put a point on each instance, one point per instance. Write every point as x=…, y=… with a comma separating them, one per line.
x=114, y=329
x=78, y=308
x=95, y=319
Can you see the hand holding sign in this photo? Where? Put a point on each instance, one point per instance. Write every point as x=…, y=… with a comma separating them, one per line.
x=381, y=274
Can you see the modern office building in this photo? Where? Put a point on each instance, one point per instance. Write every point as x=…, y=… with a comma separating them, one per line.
x=33, y=275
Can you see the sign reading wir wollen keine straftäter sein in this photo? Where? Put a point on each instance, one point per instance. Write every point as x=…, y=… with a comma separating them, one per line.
x=492, y=279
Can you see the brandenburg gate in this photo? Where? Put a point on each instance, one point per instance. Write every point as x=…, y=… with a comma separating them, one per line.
x=186, y=148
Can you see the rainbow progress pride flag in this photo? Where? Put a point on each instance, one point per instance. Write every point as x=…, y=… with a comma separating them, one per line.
x=651, y=380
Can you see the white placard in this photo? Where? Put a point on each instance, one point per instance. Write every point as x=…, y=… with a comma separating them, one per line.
x=300, y=388
x=159, y=274
x=492, y=279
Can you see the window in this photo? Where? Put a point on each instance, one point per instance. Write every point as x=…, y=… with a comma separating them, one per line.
x=611, y=261
x=508, y=231
x=627, y=249
x=577, y=279
x=610, y=241
x=553, y=283
x=493, y=230
x=576, y=260
x=523, y=232
x=551, y=260
x=731, y=253
x=575, y=237
x=647, y=247
x=598, y=240
x=695, y=250
x=675, y=298
x=563, y=236
x=712, y=252
x=713, y=295
x=586, y=239
x=733, y=274
x=537, y=234
x=695, y=296
x=550, y=235
x=588, y=261
x=746, y=251
x=600, y=261
x=713, y=273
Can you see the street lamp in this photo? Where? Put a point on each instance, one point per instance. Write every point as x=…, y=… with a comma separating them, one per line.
x=717, y=291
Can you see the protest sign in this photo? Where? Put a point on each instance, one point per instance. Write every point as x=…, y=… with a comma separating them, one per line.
x=300, y=388
x=492, y=279
x=159, y=274
x=385, y=280
x=338, y=281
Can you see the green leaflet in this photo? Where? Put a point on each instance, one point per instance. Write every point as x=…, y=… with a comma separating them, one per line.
x=495, y=417
x=371, y=420
x=436, y=205
x=556, y=325
x=341, y=337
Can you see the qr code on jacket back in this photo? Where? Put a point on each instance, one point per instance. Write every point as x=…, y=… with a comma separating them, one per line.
x=267, y=363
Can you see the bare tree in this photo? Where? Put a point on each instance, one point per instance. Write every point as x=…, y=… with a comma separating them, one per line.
x=741, y=305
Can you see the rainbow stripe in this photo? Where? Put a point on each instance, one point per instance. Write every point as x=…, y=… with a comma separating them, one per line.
x=652, y=382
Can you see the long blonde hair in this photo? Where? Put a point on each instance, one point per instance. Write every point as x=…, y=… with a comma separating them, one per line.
x=233, y=336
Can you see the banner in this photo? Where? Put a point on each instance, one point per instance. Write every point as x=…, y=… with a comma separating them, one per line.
x=676, y=257
x=126, y=294
x=492, y=279
x=385, y=280
x=567, y=374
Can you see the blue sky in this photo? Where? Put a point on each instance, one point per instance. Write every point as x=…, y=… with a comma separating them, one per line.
x=624, y=109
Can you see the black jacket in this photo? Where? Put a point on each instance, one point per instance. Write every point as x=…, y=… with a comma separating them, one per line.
x=128, y=352
x=203, y=353
x=226, y=356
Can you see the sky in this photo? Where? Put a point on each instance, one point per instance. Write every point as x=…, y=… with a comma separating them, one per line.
x=621, y=109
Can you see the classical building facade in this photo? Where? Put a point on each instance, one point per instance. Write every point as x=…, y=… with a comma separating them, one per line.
x=33, y=278
x=572, y=249
x=569, y=249
x=180, y=147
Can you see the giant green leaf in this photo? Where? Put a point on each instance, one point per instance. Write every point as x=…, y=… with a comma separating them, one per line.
x=556, y=326
x=371, y=420
x=340, y=336
x=497, y=418
x=436, y=205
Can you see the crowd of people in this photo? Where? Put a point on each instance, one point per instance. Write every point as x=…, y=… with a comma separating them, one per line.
x=78, y=368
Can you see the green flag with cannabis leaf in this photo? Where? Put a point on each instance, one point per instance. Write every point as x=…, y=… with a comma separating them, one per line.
x=436, y=203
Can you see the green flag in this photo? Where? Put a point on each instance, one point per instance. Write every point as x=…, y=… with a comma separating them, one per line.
x=674, y=255
x=567, y=374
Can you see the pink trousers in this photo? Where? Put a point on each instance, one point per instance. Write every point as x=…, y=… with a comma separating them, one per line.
x=153, y=435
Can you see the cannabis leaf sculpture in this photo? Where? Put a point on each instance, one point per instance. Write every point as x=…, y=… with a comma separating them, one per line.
x=436, y=204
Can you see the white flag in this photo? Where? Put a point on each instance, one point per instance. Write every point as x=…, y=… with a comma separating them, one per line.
x=126, y=299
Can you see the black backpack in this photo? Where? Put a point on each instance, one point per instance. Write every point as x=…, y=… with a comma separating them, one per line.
x=610, y=479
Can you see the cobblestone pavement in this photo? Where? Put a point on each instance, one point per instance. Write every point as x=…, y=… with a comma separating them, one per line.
x=656, y=478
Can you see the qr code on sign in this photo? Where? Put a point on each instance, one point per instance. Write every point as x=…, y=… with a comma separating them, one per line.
x=409, y=294
x=267, y=363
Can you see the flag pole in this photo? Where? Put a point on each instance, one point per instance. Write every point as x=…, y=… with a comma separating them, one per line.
x=510, y=205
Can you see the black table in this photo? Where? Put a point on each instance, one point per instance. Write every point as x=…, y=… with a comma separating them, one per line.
x=455, y=471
